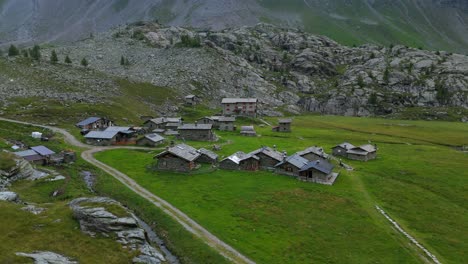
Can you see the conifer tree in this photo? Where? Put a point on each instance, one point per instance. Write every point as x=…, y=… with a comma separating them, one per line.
x=36, y=52
x=67, y=60
x=13, y=51
x=53, y=57
x=84, y=62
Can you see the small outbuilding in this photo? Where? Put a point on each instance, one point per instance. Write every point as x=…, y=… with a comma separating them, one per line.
x=160, y=122
x=150, y=140
x=248, y=131
x=363, y=153
x=101, y=138
x=342, y=149
x=196, y=132
x=39, y=155
x=268, y=157
x=227, y=123
x=207, y=156
x=291, y=165
x=284, y=125
x=94, y=123
x=191, y=99
x=313, y=153
x=240, y=161
x=180, y=158
x=317, y=171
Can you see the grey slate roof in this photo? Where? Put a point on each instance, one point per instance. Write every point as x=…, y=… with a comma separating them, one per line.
x=368, y=148
x=240, y=156
x=316, y=150
x=88, y=121
x=284, y=121
x=227, y=119
x=295, y=160
x=247, y=129
x=322, y=166
x=269, y=152
x=26, y=153
x=345, y=145
x=183, y=151
x=154, y=137
x=362, y=150
x=43, y=151
x=208, y=153
x=117, y=129
x=195, y=127
x=163, y=120
x=238, y=100
x=101, y=134
x=190, y=96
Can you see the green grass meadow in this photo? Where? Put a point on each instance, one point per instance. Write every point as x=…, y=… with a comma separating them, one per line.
x=419, y=179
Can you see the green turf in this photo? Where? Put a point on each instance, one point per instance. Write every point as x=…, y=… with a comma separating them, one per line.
x=417, y=179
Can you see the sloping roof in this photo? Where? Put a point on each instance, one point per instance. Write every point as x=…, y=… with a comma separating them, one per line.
x=316, y=150
x=239, y=156
x=286, y=120
x=195, y=127
x=154, y=137
x=163, y=120
x=227, y=119
x=190, y=96
x=269, y=152
x=208, y=153
x=247, y=129
x=322, y=166
x=183, y=151
x=238, y=100
x=345, y=145
x=368, y=148
x=26, y=153
x=101, y=134
x=88, y=121
x=117, y=129
x=43, y=151
x=295, y=160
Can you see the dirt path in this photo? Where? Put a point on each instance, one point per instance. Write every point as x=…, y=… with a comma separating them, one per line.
x=188, y=223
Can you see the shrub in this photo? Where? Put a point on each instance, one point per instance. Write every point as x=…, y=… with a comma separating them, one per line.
x=443, y=94
x=67, y=60
x=84, y=62
x=7, y=161
x=13, y=51
x=386, y=75
x=360, y=81
x=373, y=99
x=53, y=57
x=35, y=52
x=189, y=42
x=25, y=53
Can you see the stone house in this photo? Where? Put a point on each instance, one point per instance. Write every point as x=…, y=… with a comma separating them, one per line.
x=240, y=106
x=101, y=138
x=240, y=161
x=313, y=153
x=317, y=171
x=363, y=153
x=291, y=165
x=213, y=120
x=248, y=131
x=160, y=122
x=207, y=156
x=342, y=149
x=94, y=123
x=150, y=140
x=180, y=158
x=284, y=125
x=39, y=155
x=196, y=132
x=268, y=157
x=125, y=135
x=226, y=123
x=191, y=100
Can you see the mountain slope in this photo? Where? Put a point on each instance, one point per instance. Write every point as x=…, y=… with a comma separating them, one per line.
x=433, y=24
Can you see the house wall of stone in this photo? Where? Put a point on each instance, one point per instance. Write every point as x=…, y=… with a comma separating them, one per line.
x=241, y=109
x=147, y=142
x=372, y=155
x=226, y=126
x=171, y=162
x=287, y=169
x=196, y=135
x=317, y=176
x=266, y=161
x=249, y=165
x=357, y=157
x=99, y=142
x=150, y=126
x=339, y=151
x=228, y=165
x=205, y=159
x=284, y=128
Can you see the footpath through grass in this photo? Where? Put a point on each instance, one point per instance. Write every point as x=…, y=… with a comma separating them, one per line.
x=276, y=219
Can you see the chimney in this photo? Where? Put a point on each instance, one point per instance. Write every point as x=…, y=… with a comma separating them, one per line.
x=172, y=143
x=196, y=123
x=285, y=155
x=274, y=147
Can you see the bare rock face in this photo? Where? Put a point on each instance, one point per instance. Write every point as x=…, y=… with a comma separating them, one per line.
x=46, y=257
x=95, y=218
x=9, y=196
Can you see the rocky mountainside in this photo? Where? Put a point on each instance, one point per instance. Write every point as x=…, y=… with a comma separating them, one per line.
x=433, y=24
x=283, y=67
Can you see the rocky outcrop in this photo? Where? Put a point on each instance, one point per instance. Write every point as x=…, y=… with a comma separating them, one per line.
x=108, y=217
x=46, y=257
x=9, y=196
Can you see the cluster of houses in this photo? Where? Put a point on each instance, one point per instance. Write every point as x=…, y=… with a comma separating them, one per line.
x=42, y=155
x=363, y=153
x=310, y=165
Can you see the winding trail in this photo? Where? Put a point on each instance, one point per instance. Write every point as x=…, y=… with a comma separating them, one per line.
x=189, y=224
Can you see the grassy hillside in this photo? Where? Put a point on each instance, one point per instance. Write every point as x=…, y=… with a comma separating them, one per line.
x=417, y=179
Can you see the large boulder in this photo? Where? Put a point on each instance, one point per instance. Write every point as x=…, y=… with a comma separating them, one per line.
x=46, y=257
x=108, y=217
x=9, y=196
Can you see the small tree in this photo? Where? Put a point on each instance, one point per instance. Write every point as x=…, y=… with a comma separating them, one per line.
x=36, y=52
x=386, y=74
x=13, y=51
x=373, y=99
x=360, y=81
x=122, y=60
x=53, y=57
x=127, y=62
x=67, y=60
x=84, y=62
x=25, y=53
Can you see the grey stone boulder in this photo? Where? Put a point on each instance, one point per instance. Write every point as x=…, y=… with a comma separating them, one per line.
x=9, y=196
x=46, y=257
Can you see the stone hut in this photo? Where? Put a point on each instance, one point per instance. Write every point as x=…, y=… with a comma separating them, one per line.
x=207, y=156
x=291, y=165
x=39, y=155
x=317, y=171
x=150, y=140
x=313, y=153
x=268, y=157
x=180, y=158
x=342, y=149
x=196, y=132
x=240, y=106
x=191, y=99
x=240, y=161
x=94, y=123
x=284, y=125
x=363, y=153
x=161, y=122
x=226, y=123
x=101, y=138
x=248, y=131
x=213, y=120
